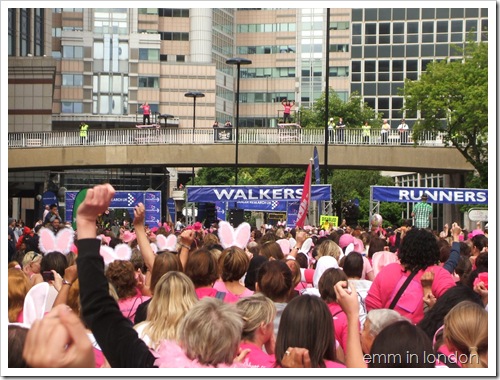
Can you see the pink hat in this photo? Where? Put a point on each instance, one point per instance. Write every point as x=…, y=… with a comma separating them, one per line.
x=475, y=233
x=358, y=245
x=381, y=259
x=345, y=240
x=128, y=236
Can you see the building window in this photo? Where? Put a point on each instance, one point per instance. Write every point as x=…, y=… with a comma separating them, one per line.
x=39, y=31
x=174, y=36
x=72, y=80
x=12, y=31
x=339, y=71
x=72, y=51
x=148, y=11
x=169, y=12
x=343, y=25
x=339, y=48
x=180, y=58
x=149, y=82
x=149, y=54
x=71, y=107
x=24, y=35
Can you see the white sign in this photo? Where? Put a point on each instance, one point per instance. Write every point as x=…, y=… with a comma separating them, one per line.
x=188, y=211
x=478, y=215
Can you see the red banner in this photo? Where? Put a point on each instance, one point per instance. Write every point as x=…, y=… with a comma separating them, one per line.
x=305, y=199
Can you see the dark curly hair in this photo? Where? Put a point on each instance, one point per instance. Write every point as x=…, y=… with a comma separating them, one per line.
x=121, y=274
x=419, y=249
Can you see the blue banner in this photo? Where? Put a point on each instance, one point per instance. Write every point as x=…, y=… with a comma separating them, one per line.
x=434, y=195
x=316, y=165
x=152, y=205
x=49, y=198
x=291, y=214
x=255, y=193
x=221, y=210
x=171, y=209
x=262, y=205
x=127, y=200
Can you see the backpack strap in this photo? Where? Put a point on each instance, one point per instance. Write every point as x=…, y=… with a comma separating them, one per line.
x=220, y=295
x=402, y=289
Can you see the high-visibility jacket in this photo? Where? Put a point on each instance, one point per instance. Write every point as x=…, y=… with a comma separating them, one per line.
x=83, y=130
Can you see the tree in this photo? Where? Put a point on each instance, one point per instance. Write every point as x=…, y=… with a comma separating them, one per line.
x=452, y=98
x=353, y=112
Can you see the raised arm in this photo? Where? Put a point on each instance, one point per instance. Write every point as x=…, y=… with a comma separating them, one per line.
x=347, y=298
x=114, y=333
x=142, y=239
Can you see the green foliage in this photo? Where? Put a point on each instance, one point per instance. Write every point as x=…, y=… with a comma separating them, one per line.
x=452, y=97
x=353, y=112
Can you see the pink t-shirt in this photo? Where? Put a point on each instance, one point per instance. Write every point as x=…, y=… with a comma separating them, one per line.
x=339, y=324
x=211, y=292
x=128, y=306
x=383, y=290
x=330, y=364
x=146, y=109
x=221, y=287
x=257, y=357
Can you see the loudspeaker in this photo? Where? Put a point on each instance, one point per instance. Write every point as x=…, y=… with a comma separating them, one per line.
x=236, y=217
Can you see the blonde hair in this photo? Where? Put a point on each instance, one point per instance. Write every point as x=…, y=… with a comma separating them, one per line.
x=174, y=295
x=31, y=257
x=19, y=285
x=466, y=330
x=328, y=248
x=255, y=311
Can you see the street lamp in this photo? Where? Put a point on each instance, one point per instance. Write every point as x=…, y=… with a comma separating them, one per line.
x=194, y=95
x=238, y=62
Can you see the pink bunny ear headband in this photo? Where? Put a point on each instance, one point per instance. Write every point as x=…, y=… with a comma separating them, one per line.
x=164, y=243
x=230, y=237
x=49, y=242
x=121, y=252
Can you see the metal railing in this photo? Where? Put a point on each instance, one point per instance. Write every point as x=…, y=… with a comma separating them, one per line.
x=153, y=136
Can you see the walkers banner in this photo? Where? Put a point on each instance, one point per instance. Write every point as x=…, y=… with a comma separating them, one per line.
x=434, y=195
x=286, y=193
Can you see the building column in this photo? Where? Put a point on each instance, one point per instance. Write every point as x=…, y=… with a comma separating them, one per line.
x=200, y=34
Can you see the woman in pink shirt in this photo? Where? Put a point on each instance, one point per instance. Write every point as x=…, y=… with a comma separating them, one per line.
x=121, y=274
x=233, y=264
x=326, y=288
x=419, y=252
x=258, y=314
x=201, y=268
x=307, y=323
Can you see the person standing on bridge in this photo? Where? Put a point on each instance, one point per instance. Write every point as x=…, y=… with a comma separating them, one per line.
x=365, y=132
x=403, y=132
x=146, y=111
x=288, y=108
x=422, y=213
x=83, y=132
x=340, y=131
x=384, y=132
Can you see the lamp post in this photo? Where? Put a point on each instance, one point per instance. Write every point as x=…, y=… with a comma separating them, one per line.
x=194, y=95
x=238, y=62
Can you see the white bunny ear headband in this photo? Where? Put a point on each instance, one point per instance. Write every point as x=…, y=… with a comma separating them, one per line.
x=230, y=237
x=165, y=243
x=121, y=252
x=49, y=242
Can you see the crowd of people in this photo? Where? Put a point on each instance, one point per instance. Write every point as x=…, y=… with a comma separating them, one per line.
x=245, y=297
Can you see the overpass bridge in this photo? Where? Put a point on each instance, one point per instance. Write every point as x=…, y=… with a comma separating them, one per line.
x=257, y=147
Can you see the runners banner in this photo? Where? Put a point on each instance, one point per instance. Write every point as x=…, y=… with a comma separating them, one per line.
x=255, y=193
x=434, y=195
